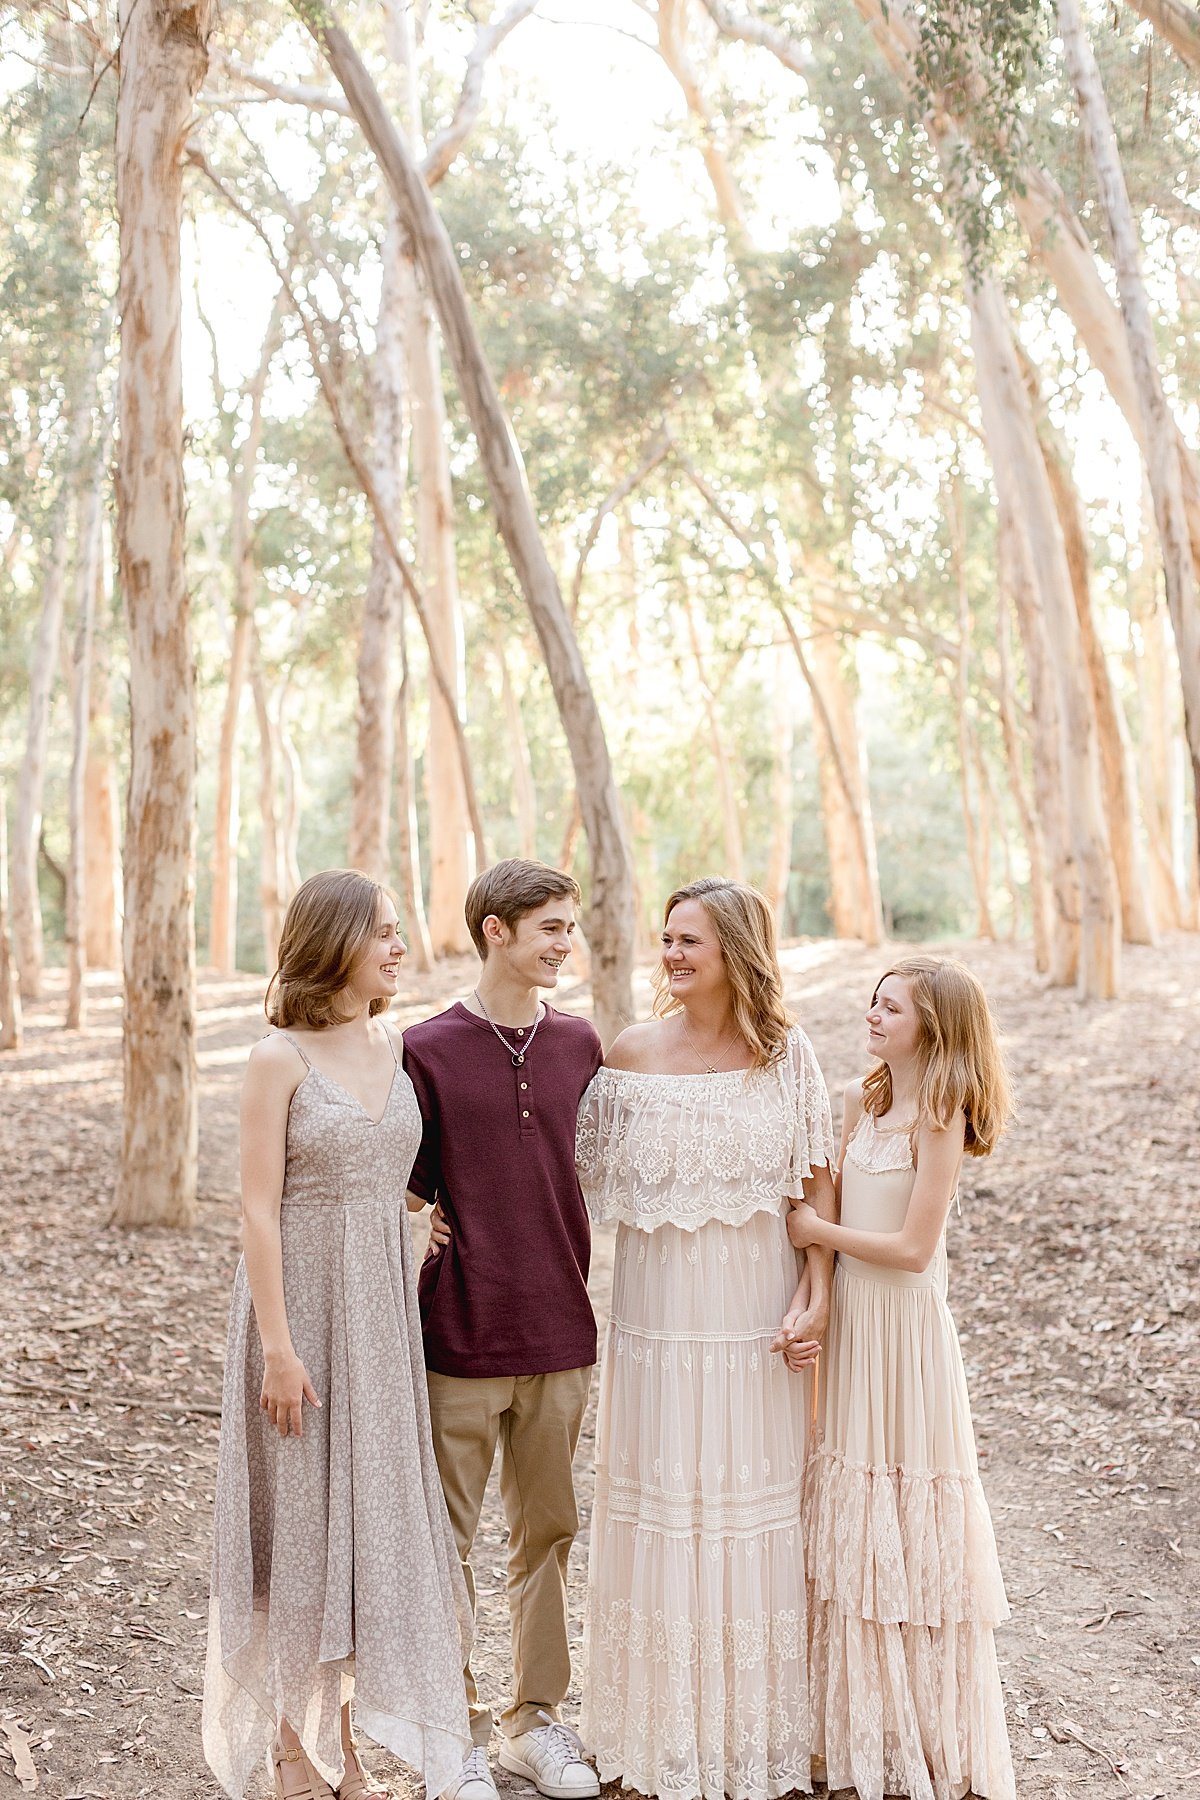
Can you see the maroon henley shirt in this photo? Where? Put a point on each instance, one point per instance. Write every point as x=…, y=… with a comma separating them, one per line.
x=508, y=1295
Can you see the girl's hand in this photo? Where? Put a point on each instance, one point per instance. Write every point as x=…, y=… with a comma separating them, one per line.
x=803, y=1224
x=798, y=1339
x=285, y=1388
x=439, y=1232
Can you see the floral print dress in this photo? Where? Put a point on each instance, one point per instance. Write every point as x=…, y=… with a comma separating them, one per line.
x=695, y=1648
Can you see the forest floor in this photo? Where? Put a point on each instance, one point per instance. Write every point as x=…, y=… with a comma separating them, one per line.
x=1075, y=1270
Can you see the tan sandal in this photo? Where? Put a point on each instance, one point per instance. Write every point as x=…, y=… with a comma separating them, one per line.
x=356, y=1784
x=317, y=1787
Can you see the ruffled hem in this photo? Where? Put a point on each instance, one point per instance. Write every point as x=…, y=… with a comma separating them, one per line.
x=907, y=1709
x=894, y=1546
x=690, y=1217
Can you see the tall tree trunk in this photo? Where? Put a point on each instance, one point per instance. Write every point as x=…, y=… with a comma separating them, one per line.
x=370, y=804
x=408, y=837
x=1040, y=900
x=289, y=762
x=102, y=807
x=1019, y=470
x=1157, y=706
x=270, y=871
x=27, y=824
x=1166, y=484
x=524, y=790
x=88, y=539
x=164, y=55
x=451, y=866
x=731, y=823
x=972, y=829
x=855, y=908
x=1177, y=23
x=10, y=989
x=610, y=923
x=222, y=927
x=779, y=855
x=1120, y=793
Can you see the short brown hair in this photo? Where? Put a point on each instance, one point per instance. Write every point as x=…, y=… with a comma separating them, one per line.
x=509, y=890
x=329, y=923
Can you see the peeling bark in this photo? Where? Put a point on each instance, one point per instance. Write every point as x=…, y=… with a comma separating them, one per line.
x=11, y=1031
x=101, y=810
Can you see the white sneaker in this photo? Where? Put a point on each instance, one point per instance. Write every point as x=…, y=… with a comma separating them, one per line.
x=552, y=1757
x=474, y=1781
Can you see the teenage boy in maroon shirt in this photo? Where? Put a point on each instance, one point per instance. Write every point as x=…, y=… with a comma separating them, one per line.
x=510, y=1336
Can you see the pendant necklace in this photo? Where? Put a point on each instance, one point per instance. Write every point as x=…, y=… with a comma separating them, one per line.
x=709, y=1068
x=518, y=1056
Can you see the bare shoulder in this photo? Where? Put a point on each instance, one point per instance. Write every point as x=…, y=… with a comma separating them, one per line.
x=394, y=1036
x=852, y=1095
x=274, y=1063
x=942, y=1143
x=636, y=1048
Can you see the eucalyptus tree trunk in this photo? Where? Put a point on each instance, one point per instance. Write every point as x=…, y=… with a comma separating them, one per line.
x=31, y=779
x=1158, y=429
x=86, y=572
x=163, y=58
x=1157, y=708
x=1021, y=481
x=10, y=991
x=1040, y=901
x=520, y=762
x=973, y=827
x=855, y=908
x=222, y=927
x=408, y=852
x=1120, y=791
x=779, y=854
x=610, y=924
x=1178, y=23
x=271, y=881
x=731, y=823
x=370, y=803
x=102, y=807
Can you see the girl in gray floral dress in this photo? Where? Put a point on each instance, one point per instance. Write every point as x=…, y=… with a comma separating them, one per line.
x=334, y=1568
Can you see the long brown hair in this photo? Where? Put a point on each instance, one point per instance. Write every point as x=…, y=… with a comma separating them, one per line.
x=962, y=1063
x=330, y=921
x=745, y=928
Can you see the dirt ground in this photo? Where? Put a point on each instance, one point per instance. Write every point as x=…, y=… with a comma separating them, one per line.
x=1074, y=1274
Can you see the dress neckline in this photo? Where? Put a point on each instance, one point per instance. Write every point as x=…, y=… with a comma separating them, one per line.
x=312, y=1069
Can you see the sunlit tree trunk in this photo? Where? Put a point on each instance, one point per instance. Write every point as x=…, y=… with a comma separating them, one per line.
x=731, y=823
x=610, y=924
x=408, y=840
x=779, y=855
x=1020, y=473
x=1156, y=707
x=972, y=823
x=370, y=804
x=289, y=762
x=271, y=883
x=519, y=760
x=44, y=663
x=10, y=990
x=222, y=928
x=1158, y=429
x=86, y=573
x=855, y=909
x=1120, y=792
x=101, y=810
x=1177, y=23
x=1040, y=901
x=163, y=60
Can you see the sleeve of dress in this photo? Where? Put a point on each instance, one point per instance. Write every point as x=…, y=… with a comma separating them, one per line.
x=813, y=1142
x=595, y=1143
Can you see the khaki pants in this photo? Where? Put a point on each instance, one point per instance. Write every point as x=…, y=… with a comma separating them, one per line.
x=536, y=1419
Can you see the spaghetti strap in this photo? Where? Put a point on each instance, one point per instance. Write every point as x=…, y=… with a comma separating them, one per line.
x=387, y=1031
x=295, y=1046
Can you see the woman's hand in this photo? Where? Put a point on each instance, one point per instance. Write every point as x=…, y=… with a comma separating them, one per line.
x=439, y=1232
x=285, y=1388
x=804, y=1225
x=796, y=1340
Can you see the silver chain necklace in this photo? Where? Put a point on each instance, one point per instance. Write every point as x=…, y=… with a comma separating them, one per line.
x=518, y=1056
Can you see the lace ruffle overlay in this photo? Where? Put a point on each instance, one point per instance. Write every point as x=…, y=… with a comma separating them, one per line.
x=682, y=1149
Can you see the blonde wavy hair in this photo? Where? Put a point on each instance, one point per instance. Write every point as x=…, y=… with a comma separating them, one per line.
x=745, y=928
x=962, y=1063
x=330, y=920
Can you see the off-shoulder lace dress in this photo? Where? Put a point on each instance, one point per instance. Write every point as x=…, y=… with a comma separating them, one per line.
x=334, y=1566
x=904, y=1582
x=695, y=1678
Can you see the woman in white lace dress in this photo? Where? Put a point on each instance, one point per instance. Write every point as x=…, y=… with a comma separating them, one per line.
x=904, y=1584
x=693, y=1137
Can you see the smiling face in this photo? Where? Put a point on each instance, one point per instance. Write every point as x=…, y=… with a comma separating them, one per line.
x=376, y=974
x=691, y=953
x=535, y=948
x=893, y=1027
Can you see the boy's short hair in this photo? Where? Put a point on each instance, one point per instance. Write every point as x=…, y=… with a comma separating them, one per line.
x=512, y=888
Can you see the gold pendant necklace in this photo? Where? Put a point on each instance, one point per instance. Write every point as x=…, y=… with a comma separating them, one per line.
x=709, y=1068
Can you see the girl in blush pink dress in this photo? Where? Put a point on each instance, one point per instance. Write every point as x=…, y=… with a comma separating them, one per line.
x=904, y=1585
